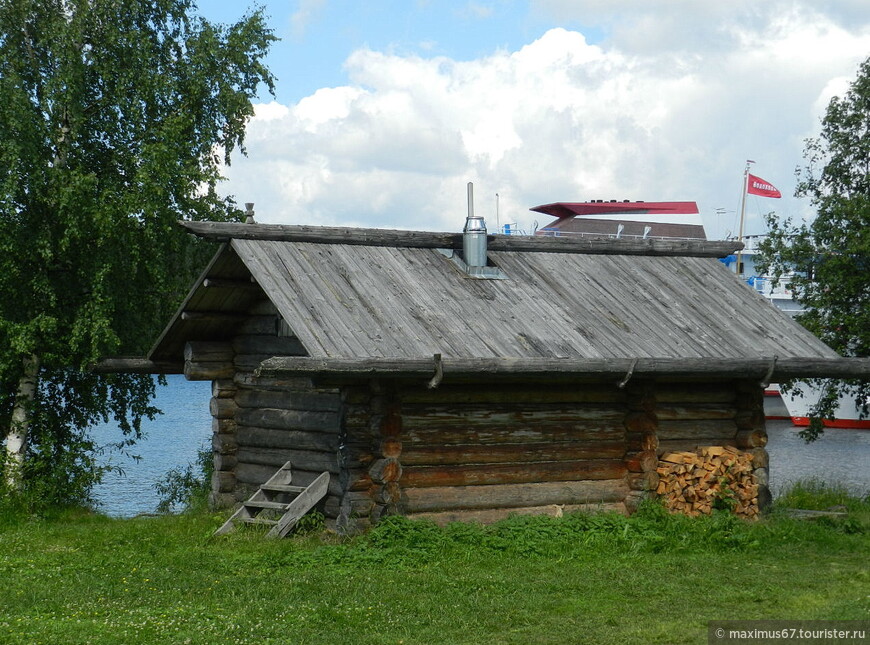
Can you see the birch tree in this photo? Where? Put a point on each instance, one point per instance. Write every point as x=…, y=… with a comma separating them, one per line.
x=115, y=117
x=831, y=255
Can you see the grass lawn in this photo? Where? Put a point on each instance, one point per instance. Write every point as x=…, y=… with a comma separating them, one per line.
x=653, y=578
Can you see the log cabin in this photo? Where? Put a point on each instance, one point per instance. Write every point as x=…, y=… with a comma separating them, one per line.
x=460, y=376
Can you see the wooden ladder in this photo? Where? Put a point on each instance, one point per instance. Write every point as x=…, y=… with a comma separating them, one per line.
x=268, y=497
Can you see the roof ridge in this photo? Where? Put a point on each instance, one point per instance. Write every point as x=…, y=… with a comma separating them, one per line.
x=226, y=231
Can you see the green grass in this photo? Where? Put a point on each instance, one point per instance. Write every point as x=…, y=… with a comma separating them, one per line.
x=653, y=578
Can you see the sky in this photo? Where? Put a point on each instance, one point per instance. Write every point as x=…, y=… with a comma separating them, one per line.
x=385, y=109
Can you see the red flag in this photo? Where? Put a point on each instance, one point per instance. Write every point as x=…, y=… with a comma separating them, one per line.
x=757, y=186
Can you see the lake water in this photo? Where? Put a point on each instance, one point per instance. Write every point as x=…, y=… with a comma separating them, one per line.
x=173, y=439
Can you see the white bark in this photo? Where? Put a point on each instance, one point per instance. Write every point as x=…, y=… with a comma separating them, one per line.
x=19, y=426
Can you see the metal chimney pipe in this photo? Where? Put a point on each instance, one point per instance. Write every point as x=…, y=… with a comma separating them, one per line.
x=474, y=235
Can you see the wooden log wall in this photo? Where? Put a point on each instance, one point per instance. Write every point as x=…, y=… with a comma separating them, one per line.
x=484, y=452
x=259, y=424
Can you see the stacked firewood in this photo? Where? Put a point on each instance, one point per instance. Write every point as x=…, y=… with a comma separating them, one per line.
x=694, y=483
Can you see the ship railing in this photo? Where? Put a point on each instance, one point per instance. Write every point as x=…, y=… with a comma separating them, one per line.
x=555, y=232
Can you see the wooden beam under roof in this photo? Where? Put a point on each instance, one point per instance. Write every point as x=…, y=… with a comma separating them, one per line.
x=554, y=369
x=227, y=231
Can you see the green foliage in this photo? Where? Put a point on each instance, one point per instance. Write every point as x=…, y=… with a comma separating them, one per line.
x=831, y=255
x=817, y=495
x=187, y=488
x=114, y=121
x=80, y=578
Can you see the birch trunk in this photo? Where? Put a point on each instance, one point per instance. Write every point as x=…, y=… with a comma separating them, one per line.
x=19, y=426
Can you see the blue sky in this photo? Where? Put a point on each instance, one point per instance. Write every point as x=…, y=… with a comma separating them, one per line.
x=317, y=36
x=385, y=109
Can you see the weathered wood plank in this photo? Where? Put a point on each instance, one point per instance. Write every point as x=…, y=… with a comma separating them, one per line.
x=317, y=421
x=442, y=455
x=518, y=433
x=517, y=473
x=250, y=476
x=303, y=503
x=491, y=515
x=418, y=500
x=416, y=416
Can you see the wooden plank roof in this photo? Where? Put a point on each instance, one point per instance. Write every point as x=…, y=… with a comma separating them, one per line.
x=354, y=301
x=366, y=301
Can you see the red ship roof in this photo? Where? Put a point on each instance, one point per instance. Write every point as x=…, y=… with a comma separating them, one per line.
x=570, y=209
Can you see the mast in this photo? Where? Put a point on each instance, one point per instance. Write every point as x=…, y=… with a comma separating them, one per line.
x=742, y=213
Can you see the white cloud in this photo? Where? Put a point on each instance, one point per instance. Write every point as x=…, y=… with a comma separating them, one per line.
x=306, y=12
x=559, y=119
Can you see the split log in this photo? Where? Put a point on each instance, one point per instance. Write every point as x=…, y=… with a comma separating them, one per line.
x=517, y=473
x=491, y=515
x=315, y=421
x=692, y=482
x=440, y=454
x=418, y=500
